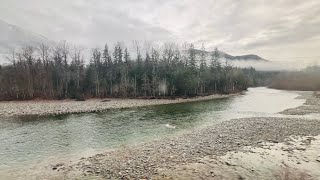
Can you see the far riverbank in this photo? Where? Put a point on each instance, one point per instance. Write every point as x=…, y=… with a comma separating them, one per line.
x=60, y=107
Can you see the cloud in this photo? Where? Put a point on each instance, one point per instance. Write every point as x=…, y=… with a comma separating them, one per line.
x=281, y=28
x=273, y=65
x=81, y=22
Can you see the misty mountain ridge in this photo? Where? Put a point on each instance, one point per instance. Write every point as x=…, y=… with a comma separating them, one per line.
x=247, y=57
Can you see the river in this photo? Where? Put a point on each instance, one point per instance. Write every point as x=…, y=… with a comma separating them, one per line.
x=34, y=140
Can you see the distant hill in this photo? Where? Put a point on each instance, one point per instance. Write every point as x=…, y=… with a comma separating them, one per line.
x=247, y=57
x=13, y=37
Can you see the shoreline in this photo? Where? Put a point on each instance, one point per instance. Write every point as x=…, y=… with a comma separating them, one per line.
x=63, y=107
x=311, y=106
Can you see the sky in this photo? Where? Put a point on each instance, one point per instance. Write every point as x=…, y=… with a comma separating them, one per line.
x=286, y=31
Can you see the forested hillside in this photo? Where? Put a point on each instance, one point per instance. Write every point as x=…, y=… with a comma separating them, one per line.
x=60, y=72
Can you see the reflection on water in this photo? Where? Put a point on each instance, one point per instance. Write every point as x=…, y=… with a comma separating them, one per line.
x=33, y=140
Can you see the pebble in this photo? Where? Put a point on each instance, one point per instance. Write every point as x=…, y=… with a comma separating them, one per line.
x=145, y=159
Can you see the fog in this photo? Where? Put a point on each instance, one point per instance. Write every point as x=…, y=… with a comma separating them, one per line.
x=274, y=65
x=304, y=80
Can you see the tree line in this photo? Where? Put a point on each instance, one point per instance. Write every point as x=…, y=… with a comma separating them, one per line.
x=60, y=72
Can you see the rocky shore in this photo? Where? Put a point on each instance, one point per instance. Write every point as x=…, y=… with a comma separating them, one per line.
x=221, y=151
x=58, y=107
x=311, y=106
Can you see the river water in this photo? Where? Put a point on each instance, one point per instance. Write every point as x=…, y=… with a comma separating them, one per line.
x=31, y=141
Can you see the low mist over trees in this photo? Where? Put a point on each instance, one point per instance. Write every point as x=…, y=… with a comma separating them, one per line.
x=305, y=80
x=60, y=72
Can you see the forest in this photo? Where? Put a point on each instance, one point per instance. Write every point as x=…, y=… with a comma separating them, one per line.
x=61, y=72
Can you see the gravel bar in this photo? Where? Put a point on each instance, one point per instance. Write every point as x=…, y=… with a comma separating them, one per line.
x=58, y=107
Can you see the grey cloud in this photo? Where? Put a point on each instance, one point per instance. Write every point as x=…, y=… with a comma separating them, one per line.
x=246, y=26
x=284, y=32
x=83, y=22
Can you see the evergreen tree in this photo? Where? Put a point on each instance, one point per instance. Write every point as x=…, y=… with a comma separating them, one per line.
x=60, y=72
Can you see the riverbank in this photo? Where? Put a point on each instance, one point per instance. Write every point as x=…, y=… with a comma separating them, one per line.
x=59, y=107
x=311, y=106
x=222, y=151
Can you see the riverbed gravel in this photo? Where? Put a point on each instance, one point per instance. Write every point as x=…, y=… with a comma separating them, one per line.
x=58, y=107
x=145, y=160
x=311, y=106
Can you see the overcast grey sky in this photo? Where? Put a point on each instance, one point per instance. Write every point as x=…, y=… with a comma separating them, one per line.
x=274, y=29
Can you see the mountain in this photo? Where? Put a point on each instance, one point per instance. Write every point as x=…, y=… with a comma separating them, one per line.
x=247, y=57
x=13, y=37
